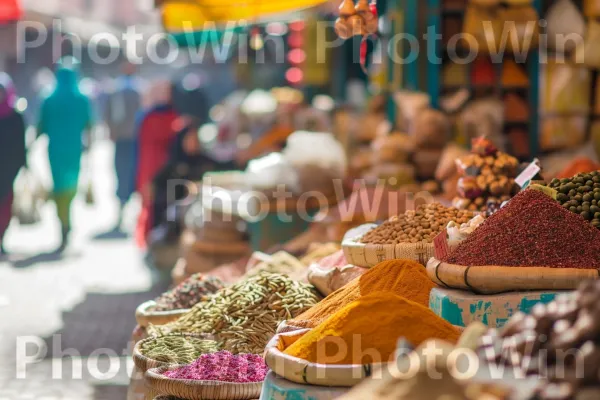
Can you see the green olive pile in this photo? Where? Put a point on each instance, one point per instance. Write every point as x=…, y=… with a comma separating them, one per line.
x=580, y=194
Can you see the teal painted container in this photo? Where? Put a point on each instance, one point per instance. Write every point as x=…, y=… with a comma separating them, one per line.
x=462, y=308
x=276, y=388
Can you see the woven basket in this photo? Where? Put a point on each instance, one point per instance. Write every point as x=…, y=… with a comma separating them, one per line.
x=495, y=279
x=369, y=255
x=307, y=373
x=145, y=316
x=200, y=390
x=144, y=363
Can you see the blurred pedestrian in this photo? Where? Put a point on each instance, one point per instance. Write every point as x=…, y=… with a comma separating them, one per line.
x=12, y=151
x=188, y=161
x=66, y=117
x=155, y=132
x=122, y=106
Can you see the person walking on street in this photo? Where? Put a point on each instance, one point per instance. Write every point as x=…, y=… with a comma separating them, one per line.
x=65, y=117
x=121, y=110
x=12, y=151
x=156, y=132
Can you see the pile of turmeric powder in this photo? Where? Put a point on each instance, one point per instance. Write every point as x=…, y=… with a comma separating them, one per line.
x=404, y=278
x=367, y=330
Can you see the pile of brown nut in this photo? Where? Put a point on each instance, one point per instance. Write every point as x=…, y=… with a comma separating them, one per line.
x=558, y=342
x=422, y=224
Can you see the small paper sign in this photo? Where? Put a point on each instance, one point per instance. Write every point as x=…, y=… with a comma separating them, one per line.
x=548, y=191
x=440, y=245
x=527, y=175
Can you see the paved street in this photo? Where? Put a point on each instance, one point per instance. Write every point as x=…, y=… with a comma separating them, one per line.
x=65, y=321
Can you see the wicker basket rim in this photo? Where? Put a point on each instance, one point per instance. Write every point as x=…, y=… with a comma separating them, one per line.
x=278, y=353
x=434, y=263
x=157, y=373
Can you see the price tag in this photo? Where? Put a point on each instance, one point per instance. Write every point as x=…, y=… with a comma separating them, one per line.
x=440, y=245
x=548, y=191
x=527, y=175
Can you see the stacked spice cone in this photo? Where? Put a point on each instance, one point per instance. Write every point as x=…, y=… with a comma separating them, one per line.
x=487, y=177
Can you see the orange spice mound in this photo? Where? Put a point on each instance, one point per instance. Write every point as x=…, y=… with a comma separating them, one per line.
x=578, y=166
x=404, y=278
x=367, y=330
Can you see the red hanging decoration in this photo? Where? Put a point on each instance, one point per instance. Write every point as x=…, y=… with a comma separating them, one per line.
x=371, y=26
x=10, y=10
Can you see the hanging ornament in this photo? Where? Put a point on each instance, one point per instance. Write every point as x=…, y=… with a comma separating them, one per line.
x=347, y=9
x=342, y=25
x=342, y=29
x=370, y=28
x=357, y=25
x=372, y=20
x=362, y=8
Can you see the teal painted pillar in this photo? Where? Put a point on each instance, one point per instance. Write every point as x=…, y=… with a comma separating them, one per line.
x=411, y=67
x=434, y=70
x=534, y=93
x=392, y=13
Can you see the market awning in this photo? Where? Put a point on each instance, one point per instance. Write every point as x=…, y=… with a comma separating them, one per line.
x=198, y=15
x=10, y=10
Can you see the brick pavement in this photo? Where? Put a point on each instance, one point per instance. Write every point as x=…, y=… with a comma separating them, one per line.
x=88, y=297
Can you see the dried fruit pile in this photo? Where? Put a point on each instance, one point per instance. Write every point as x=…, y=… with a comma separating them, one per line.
x=558, y=341
x=487, y=177
x=188, y=293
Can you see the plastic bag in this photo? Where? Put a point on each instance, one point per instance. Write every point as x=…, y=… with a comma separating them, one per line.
x=409, y=104
x=562, y=132
x=316, y=148
x=588, y=51
x=272, y=170
x=564, y=20
x=30, y=196
x=328, y=280
x=458, y=233
x=431, y=129
x=565, y=88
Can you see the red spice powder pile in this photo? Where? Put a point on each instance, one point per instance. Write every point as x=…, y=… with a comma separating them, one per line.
x=223, y=367
x=532, y=230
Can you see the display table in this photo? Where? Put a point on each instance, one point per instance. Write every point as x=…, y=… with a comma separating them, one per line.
x=462, y=308
x=276, y=388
